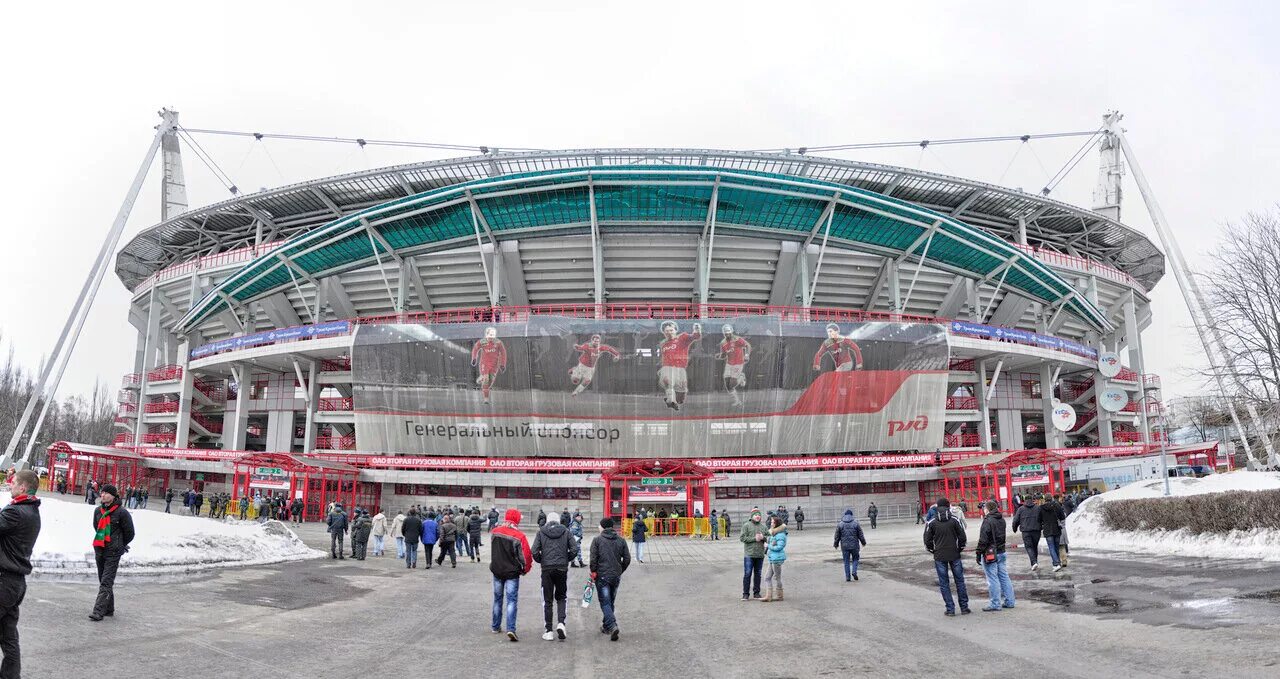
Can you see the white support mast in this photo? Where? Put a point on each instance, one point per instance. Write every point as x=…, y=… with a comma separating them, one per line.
x=45, y=389
x=1210, y=337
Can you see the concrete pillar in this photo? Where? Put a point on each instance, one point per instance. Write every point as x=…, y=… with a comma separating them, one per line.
x=975, y=308
x=895, y=285
x=279, y=396
x=235, y=423
x=984, y=411
x=1009, y=424
x=149, y=341
x=313, y=405
x=1052, y=437
x=182, y=440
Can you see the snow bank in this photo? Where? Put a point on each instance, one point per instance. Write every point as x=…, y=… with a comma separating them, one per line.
x=1085, y=528
x=164, y=543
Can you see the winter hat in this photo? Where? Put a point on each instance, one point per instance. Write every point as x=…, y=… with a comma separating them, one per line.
x=108, y=488
x=943, y=502
x=606, y=522
x=755, y=515
x=553, y=517
x=512, y=516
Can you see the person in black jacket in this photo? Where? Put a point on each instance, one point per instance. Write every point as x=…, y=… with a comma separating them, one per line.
x=554, y=548
x=475, y=525
x=1027, y=518
x=1051, y=518
x=113, y=531
x=412, y=531
x=609, y=560
x=168, y=500
x=944, y=538
x=991, y=557
x=337, y=523
x=19, y=528
x=849, y=539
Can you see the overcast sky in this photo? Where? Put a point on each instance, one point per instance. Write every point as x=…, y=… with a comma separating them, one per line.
x=1196, y=81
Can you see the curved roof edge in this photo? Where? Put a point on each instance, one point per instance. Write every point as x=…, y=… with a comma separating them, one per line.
x=230, y=223
x=691, y=197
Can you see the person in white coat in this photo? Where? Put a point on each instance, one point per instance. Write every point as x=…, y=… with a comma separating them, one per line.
x=397, y=532
x=379, y=533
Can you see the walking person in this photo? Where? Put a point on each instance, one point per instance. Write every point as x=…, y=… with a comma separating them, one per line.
x=1027, y=519
x=337, y=521
x=379, y=532
x=799, y=515
x=509, y=559
x=575, y=529
x=296, y=507
x=944, y=538
x=474, y=525
x=430, y=533
x=360, y=531
x=168, y=500
x=850, y=540
x=609, y=560
x=992, y=558
x=753, y=548
x=776, y=552
x=411, y=529
x=1051, y=518
x=113, y=531
x=448, y=541
x=554, y=548
x=493, y=518
x=19, y=528
x=872, y=512
x=460, y=536
x=638, y=530
x=397, y=532
x=715, y=525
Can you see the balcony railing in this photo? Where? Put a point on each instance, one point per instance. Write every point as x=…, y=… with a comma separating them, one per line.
x=165, y=373
x=1084, y=418
x=161, y=407
x=335, y=404
x=962, y=403
x=123, y=439
x=960, y=440
x=1126, y=375
x=347, y=442
x=212, y=425
x=131, y=380
x=1126, y=436
x=127, y=396
x=1073, y=390
x=1065, y=261
x=159, y=437
x=214, y=390
x=127, y=409
x=963, y=365
x=336, y=365
x=1150, y=381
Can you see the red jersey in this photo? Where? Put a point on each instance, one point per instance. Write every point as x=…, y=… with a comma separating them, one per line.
x=490, y=355
x=589, y=354
x=675, y=351
x=735, y=350
x=843, y=350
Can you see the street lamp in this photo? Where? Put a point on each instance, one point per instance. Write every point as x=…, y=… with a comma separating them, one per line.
x=1164, y=434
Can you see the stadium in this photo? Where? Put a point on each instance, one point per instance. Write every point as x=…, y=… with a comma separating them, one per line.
x=609, y=329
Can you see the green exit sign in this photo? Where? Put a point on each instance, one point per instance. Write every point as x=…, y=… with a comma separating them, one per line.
x=270, y=471
x=658, y=481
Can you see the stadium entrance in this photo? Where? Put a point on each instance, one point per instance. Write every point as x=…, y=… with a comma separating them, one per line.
x=672, y=487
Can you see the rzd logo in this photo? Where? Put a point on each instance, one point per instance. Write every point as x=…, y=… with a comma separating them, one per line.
x=919, y=424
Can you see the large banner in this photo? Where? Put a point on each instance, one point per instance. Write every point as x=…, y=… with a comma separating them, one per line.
x=551, y=385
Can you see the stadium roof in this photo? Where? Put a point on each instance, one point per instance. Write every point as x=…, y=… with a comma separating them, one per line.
x=270, y=215
x=584, y=200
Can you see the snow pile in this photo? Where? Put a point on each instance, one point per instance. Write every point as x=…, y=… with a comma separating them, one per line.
x=1085, y=527
x=163, y=543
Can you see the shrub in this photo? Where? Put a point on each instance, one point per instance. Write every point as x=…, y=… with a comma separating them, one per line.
x=1213, y=513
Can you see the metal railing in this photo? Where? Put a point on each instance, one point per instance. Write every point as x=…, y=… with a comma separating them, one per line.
x=165, y=373
x=160, y=407
x=212, y=425
x=1066, y=261
x=343, y=404
x=962, y=403
x=131, y=380
x=960, y=440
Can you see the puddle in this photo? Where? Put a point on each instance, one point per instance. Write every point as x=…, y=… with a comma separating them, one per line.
x=1057, y=597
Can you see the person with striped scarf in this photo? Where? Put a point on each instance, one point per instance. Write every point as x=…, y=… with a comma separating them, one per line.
x=112, y=533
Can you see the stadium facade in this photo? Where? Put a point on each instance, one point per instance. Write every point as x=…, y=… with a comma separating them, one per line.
x=783, y=329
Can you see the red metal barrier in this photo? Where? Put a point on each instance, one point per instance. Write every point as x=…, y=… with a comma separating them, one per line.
x=131, y=380
x=165, y=373
x=963, y=364
x=335, y=404
x=161, y=407
x=211, y=424
x=960, y=440
x=962, y=403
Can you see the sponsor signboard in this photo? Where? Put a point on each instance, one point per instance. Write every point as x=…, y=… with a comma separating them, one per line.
x=992, y=332
x=332, y=329
x=555, y=386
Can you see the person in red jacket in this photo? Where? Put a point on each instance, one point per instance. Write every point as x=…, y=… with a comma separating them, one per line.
x=674, y=354
x=844, y=351
x=735, y=351
x=588, y=355
x=509, y=559
x=490, y=356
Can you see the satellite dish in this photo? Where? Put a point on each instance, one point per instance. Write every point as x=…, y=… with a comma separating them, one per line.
x=1109, y=364
x=1064, y=417
x=1112, y=399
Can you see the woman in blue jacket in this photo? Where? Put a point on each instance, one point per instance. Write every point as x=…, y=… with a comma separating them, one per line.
x=776, y=554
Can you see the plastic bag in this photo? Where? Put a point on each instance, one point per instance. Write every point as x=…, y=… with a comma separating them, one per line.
x=588, y=593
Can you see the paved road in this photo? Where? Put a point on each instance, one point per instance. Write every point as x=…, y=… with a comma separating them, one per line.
x=1104, y=617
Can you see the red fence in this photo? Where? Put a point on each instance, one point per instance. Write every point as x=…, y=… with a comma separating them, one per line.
x=211, y=424
x=165, y=373
x=335, y=404
x=962, y=403
x=960, y=440
x=161, y=407
x=131, y=380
